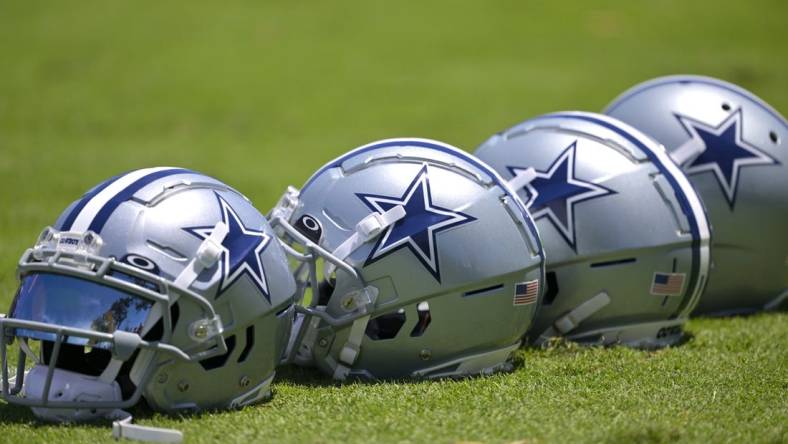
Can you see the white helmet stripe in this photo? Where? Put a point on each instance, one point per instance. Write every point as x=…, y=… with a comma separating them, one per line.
x=94, y=205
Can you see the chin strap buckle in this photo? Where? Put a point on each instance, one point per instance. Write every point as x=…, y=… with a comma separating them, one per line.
x=122, y=428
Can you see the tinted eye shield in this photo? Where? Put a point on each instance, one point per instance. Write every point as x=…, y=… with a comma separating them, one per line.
x=147, y=296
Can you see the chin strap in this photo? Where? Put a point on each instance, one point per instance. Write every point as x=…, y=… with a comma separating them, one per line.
x=367, y=229
x=122, y=428
x=347, y=356
x=776, y=302
x=571, y=320
x=207, y=255
x=523, y=178
x=687, y=151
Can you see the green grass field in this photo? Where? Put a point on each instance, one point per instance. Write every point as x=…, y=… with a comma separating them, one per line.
x=260, y=94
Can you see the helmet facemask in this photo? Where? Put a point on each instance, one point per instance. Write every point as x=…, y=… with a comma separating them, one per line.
x=329, y=279
x=94, y=317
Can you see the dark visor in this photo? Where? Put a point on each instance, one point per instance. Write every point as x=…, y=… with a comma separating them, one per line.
x=78, y=303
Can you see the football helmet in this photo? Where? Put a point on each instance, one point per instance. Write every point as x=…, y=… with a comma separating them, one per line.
x=162, y=284
x=626, y=234
x=731, y=145
x=420, y=260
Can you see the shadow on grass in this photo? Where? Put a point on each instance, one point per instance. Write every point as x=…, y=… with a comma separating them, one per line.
x=312, y=377
x=780, y=308
x=18, y=414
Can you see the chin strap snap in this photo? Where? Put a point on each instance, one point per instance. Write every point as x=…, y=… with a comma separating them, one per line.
x=571, y=320
x=122, y=428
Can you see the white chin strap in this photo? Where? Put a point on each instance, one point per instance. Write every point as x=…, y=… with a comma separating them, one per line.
x=523, y=178
x=123, y=428
x=367, y=229
x=207, y=255
x=571, y=320
x=352, y=347
x=687, y=151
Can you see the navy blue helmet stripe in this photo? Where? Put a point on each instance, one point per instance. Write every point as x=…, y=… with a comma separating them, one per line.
x=106, y=211
x=72, y=216
x=441, y=148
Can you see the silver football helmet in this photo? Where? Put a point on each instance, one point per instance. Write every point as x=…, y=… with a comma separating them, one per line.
x=731, y=145
x=626, y=234
x=160, y=283
x=420, y=260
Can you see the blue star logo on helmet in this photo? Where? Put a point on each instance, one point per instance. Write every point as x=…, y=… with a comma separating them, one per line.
x=725, y=152
x=241, y=250
x=555, y=192
x=417, y=231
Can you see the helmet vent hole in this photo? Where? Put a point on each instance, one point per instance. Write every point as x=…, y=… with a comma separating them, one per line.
x=219, y=361
x=773, y=137
x=386, y=326
x=552, y=288
x=726, y=106
x=423, y=311
x=249, y=344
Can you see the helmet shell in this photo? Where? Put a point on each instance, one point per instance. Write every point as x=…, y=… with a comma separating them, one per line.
x=155, y=220
x=614, y=214
x=464, y=244
x=741, y=177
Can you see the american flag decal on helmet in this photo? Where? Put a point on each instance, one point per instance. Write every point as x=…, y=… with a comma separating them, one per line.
x=667, y=284
x=526, y=292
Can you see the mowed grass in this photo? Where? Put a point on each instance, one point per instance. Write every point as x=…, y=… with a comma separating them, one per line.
x=260, y=94
x=727, y=384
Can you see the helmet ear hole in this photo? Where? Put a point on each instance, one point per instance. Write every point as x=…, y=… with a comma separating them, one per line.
x=386, y=326
x=219, y=361
x=552, y=288
x=423, y=311
x=773, y=137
